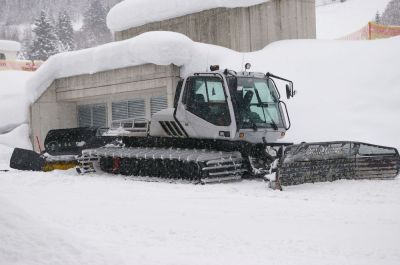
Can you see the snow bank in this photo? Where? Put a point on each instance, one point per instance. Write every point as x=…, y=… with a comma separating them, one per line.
x=340, y=19
x=15, y=94
x=133, y=13
x=348, y=90
x=19, y=137
x=11, y=46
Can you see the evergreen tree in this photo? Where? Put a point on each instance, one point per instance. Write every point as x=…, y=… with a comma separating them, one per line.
x=26, y=45
x=378, y=18
x=94, y=28
x=391, y=16
x=65, y=32
x=45, y=42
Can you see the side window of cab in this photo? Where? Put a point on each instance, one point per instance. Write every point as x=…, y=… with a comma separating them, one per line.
x=206, y=98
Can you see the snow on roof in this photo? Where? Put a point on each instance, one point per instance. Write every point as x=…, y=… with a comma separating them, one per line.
x=133, y=13
x=10, y=46
x=162, y=48
x=354, y=99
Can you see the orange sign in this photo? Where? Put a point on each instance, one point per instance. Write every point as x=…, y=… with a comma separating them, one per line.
x=20, y=65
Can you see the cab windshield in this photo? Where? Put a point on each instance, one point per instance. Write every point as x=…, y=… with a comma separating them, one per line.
x=258, y=103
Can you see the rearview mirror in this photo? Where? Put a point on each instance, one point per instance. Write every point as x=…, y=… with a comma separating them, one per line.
x=290, y=92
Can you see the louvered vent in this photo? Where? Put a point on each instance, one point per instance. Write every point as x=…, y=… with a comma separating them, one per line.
x=158, y=103
x=84, y=116
x=173, y=129
x=130, y=109
x=92, y=115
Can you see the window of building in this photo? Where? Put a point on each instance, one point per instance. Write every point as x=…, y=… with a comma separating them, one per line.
x=158, y=103
x=94, y=115
x=129, y=109
x=2, y=56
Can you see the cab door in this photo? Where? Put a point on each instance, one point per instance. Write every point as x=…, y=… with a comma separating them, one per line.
x=205, y=109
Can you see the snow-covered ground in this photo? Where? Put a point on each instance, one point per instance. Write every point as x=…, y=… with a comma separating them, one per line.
x=340, y=19
x=63, y=218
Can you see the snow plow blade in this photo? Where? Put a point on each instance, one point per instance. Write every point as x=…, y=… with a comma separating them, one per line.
x=330, y=161
x=22, y=159
x=28, y=160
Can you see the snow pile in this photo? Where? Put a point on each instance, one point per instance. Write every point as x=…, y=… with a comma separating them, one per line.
x=19, y=137
x=133, y=13
x=14, y=113
x=340, y=19
x=348, y=93
x=348, y=90
x=11, y=46
x=15, y=95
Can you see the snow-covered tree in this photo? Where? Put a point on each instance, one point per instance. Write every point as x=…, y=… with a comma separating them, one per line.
x=45, y=42
x=378, y=18
x=26, y=45
x=391, y=16
x=94, y=29
x=65, y=32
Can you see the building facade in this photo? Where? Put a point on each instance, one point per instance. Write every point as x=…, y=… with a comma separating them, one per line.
x=103, y=98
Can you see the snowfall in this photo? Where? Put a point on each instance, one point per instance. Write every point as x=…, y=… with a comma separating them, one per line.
x=347, y=90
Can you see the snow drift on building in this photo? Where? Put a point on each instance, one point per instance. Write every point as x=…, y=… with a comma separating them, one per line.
x=146, y=11
x=11, y=46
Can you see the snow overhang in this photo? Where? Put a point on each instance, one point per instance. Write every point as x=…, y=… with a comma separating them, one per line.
x=134, y=13
x=10, y=46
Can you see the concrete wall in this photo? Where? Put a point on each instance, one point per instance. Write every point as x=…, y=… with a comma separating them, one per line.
x=242, y=29
x=57, y=107
x=47, y=113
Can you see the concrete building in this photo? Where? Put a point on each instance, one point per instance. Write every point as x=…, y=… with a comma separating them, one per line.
x=242, y=29
x=105, y=98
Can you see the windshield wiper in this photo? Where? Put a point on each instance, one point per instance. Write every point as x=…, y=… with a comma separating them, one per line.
x=273, y=124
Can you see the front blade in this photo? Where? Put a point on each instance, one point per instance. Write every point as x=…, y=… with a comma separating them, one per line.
x=22, y=159
x=330, y=161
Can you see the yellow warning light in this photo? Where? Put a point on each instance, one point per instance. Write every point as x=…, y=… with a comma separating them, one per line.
x=241, y=135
